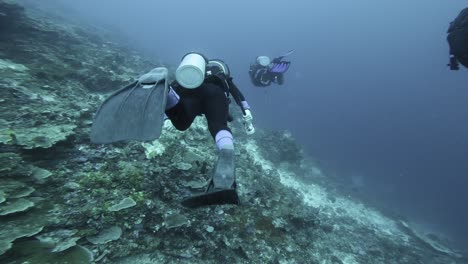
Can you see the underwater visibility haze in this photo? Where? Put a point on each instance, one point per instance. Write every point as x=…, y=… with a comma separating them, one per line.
x=356, y=149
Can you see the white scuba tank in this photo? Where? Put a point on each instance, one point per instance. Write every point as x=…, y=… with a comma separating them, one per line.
x=263, y=60
x=191, y=71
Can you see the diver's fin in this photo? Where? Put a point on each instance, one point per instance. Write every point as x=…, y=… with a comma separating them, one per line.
x=289, y=52
x=224, y=173
x=135, y=112
x=226, y=196
x=222, y=187
x=280, y=67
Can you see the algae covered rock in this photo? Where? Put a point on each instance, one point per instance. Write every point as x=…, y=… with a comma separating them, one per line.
x=195, y=184
x=175, y=220
x=5, y=133
x=280, y=147
x=15, y=206
x=9, y=162
x=153, y=149
x=2, y=197
x=124, y=204
x=39, y=173
x=192, y=155
x=429, y=240
x=21, y=226
x=37, y=252
x=106, y=235
x=44, y=136
x=7, y=65
x=12, y=74
x=183, y=166
x=61, y=239
x=15, y=189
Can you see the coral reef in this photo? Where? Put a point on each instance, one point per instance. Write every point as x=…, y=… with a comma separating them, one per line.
x=19, y=207
x=64, y=200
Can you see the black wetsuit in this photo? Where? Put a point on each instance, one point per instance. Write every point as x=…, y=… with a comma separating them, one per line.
x=263, y=76
x=259, y=75
x=210, y=99
x=458, y=37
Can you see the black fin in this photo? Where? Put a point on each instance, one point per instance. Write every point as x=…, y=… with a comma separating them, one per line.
x=222, y=187
x=226, y=196
x=135, y=112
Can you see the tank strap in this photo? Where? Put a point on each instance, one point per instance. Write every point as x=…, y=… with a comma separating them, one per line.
x=223, y=80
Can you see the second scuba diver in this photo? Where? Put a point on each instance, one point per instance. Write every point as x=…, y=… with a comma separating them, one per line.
x=264, y=71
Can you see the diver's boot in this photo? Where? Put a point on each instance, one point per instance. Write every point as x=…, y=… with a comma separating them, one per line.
x=224, y=173
x=222, y=186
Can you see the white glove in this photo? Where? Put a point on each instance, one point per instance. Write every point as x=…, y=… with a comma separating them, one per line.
x=249, y=128
x=248, y=115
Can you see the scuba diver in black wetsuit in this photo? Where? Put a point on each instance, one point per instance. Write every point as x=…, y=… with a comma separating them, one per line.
x=201, y=87
x=205, y=90
x=263, y=72
x=458, y=41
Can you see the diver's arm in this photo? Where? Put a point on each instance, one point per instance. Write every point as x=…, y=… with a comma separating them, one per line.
x=238, y=96
x=240, y=100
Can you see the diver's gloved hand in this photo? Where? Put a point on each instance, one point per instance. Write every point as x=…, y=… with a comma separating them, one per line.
x=249, y=128
x=248, y=115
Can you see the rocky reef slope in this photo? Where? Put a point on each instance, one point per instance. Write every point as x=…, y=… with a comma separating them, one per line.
x=63, y=199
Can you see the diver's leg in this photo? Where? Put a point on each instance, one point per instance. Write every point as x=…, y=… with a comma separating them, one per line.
x=224, y=140
x=172, y=99
x=280, y=79
x=265, y=77
x=216, y=110
x=222, y=186
x=181, y=110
